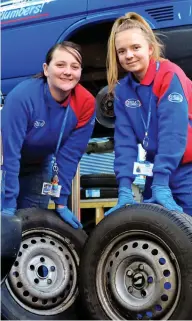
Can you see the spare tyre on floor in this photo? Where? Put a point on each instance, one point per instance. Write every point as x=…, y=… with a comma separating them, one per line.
x=42, y=284
x=137, y=265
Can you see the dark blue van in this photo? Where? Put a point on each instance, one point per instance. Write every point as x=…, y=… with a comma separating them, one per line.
x=31, y=27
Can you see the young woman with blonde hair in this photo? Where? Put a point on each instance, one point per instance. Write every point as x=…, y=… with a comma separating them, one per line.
x=153, y=106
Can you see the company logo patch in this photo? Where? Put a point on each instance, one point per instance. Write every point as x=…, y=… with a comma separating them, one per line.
x=39, y=123
x=132, y=103
x=175, y=98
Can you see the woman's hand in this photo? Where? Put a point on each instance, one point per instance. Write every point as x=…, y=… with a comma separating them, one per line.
x=162, y=195
x=68, y=216
x=9, y=211
x=125, y=197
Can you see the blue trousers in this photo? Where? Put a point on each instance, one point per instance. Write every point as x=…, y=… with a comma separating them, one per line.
x=181, y=186
x=31, y=179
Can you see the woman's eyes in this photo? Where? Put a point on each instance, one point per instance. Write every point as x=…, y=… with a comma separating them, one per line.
x=121, y=52
x=63, y=66
x=75, y=67
x=136, y=47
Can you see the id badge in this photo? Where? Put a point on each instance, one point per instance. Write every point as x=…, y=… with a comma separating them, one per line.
x=49, y=189
x=46, y=189
x=55, y=192
x=145, y=168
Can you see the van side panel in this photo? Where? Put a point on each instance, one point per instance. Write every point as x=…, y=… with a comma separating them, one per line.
x=28, y=31
x=27, y=46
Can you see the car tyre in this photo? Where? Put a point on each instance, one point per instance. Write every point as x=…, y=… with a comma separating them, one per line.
x=137, y=264
x=42, y=283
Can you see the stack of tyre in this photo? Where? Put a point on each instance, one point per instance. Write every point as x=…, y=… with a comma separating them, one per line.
x=135, y=265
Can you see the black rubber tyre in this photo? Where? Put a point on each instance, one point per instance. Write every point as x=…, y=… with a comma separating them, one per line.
x=104, y=192
x=49, y=259
x=10, y=242
x=148, y=234
x=98, y=180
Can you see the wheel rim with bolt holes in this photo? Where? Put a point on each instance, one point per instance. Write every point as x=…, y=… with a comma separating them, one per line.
x=107, y=108
x=138, y=277
x=43, y=279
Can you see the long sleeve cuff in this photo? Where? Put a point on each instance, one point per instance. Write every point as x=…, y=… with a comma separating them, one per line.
x=125, y=182
x=161, y=179
x=62, y=200
x=9, y=203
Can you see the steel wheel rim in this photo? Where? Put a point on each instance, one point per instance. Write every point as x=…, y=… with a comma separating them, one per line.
x=138, y=277
x=43, y=279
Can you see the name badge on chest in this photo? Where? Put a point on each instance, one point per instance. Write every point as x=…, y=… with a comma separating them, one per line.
x=143, y=168
x=51, y=189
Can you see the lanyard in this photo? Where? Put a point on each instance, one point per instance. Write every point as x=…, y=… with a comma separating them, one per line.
x=55, y=167
x=54, y=163
x=146, y=125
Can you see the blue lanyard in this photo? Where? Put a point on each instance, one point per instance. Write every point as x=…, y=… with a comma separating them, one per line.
x=54, y=163
x=146, y=126
x=62, y=130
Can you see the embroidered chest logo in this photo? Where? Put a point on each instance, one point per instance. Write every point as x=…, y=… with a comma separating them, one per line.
x=175, y=98
x=132, y=103
x=39, y=123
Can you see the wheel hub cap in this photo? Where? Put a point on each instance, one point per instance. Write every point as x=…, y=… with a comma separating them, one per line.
x=44, y=277
x=137, y=278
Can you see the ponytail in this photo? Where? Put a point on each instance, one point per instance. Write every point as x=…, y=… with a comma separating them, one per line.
x=130, y=20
